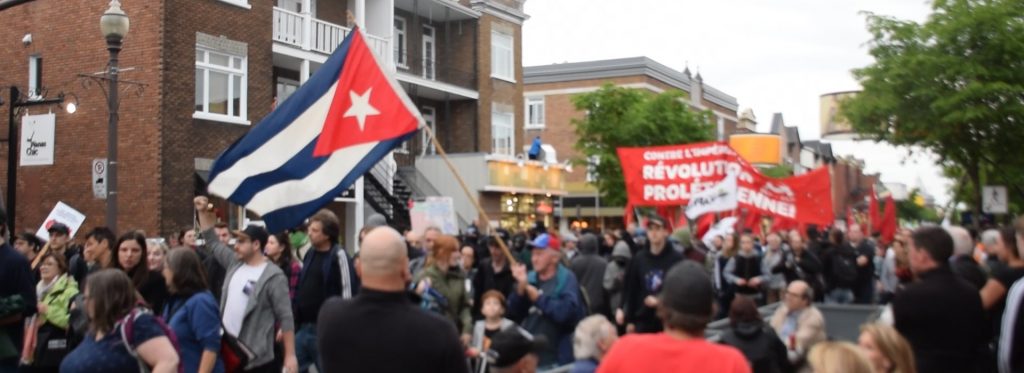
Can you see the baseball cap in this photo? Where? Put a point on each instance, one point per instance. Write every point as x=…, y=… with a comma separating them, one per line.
x=255, y=233
x=687, y=289
x=59, y=228
x=544, y=241
x=656, y=219
x=511, y=344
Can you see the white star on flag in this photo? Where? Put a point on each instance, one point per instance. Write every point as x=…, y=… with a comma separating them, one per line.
x=360, y=107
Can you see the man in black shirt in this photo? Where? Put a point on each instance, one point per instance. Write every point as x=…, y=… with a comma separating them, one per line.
x=644, y=277
x=864, y=288
x=941, y=314
x=327, y=271
x=381, y=329
x=492, y=273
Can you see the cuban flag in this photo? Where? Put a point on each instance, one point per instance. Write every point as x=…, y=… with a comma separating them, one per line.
x=312, y=147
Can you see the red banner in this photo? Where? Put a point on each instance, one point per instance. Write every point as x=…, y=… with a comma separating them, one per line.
x=668, y=175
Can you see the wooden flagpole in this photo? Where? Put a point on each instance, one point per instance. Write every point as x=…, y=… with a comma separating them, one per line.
x=469, y=194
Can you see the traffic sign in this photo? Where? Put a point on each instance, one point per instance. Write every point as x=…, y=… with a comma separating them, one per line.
x=99, y=178
x=994, y=199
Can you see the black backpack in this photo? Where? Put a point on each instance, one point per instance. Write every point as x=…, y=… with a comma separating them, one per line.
x=844, y=269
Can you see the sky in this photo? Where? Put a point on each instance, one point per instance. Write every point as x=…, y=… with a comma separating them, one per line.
x=774, y=56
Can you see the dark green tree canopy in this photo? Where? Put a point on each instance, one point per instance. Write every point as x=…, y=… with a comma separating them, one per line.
x=627, y=117
x=953, y=84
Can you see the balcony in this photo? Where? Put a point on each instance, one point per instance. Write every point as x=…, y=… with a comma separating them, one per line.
x=304, y=32
x=437, y=80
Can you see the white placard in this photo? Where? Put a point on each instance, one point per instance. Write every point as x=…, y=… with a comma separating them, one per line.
x=434, y=211
x=64, y=214
x=994, y=199
x=37, y=135
x=99, y=178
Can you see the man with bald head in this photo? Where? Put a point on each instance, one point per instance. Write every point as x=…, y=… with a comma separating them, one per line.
x=381, y=329
x=797, y=322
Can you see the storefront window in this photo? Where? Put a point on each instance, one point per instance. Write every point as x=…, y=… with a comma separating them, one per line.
x=523, y=211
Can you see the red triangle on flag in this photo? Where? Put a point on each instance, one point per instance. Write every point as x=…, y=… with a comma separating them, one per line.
x=365, y=107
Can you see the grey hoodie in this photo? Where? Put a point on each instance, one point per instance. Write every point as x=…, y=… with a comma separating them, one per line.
x=589, y=269
x=615, y=274
x=270, y=304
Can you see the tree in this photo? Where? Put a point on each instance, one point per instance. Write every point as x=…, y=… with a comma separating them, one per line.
x=777, y=172
x=954, y=85
x=627, y=117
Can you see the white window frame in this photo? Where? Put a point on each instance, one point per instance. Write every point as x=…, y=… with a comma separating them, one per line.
x=35, y=77
x=510, y=129
x=241, y=72
x=429, y=115
x=499, y=52
x=244, y=4
x=531, y=115
x=286, y=82
x=429, y=64
x=402, y=43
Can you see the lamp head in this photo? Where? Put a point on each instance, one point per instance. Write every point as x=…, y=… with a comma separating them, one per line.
x=114, y=23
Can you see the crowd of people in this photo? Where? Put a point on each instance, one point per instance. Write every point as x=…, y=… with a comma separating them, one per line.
x=637, y=299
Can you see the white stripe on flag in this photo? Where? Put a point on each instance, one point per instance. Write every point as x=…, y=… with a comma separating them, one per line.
x=315, y=185
x=278, y=150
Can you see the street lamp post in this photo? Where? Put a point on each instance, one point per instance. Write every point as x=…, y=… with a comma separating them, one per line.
x=114, y=25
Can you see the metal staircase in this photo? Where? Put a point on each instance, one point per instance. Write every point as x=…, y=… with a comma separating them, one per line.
x=388, y=194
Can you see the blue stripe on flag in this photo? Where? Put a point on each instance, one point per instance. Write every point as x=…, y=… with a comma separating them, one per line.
x=297, y=168
x=286, y=113
x=292, y=216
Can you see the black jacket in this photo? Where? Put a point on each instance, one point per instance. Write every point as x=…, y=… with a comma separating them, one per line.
x=760, y=345
x=486, y=279
x=942, y=318
x=386, y=332
x=829, y=258
x=589, y=269
x=643, y=277
x=969, y=270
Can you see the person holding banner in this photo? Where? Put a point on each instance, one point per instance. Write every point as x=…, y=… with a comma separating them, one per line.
x=644, y=278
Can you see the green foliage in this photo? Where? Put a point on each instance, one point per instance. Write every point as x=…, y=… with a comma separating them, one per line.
x=778, y=172
x=910, y=211
x=954, y=85
x=625, y=117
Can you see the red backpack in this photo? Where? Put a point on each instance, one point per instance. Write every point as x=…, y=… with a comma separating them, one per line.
x=128, y=325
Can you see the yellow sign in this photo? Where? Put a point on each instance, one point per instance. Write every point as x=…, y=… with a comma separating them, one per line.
x=526, y=177
x=762, y=149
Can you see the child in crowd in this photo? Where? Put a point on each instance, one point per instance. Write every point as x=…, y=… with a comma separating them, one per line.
x=494, y=321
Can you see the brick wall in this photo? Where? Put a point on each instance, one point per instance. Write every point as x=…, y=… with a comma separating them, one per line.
x=184, y=138
x=493, y=90
x=70, y=46
x=332, y=11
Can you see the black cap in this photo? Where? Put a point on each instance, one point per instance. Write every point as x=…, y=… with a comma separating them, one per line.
x=656, y=219
x=59, y=228
x=255, y=233
x=511, y=344
x=687, y=289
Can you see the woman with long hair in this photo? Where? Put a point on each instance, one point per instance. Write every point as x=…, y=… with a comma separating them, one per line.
x=279, y=251
x=122, y=336
x=191, y=312
x=54, y=292
x=130, y=257
x=443, y=284
x=886, y=349
x=838, y=357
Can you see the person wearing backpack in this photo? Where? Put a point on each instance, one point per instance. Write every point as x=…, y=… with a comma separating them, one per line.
x=123, y=337
x=192, y=312
x=547, y=302
x=840, y=262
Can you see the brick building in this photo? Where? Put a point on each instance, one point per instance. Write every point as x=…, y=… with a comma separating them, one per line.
x=213, y=68
x=548, y=96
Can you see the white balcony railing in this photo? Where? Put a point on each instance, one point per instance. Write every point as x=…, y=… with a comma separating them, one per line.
x=324, y=37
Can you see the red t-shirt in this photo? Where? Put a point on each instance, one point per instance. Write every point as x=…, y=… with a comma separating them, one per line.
x=654, y=353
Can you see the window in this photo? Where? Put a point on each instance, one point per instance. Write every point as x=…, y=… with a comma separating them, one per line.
x=502, y=56
x=35, y=76
x=592, y=163
x=238, y=3
x=535, y=112
x=285, y=89
x=401, y=47
x=428, y=52
x=502, y=133
x=220, y=86
x=428, y=114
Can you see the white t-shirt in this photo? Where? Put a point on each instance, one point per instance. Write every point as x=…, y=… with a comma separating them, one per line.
x=242, y=285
